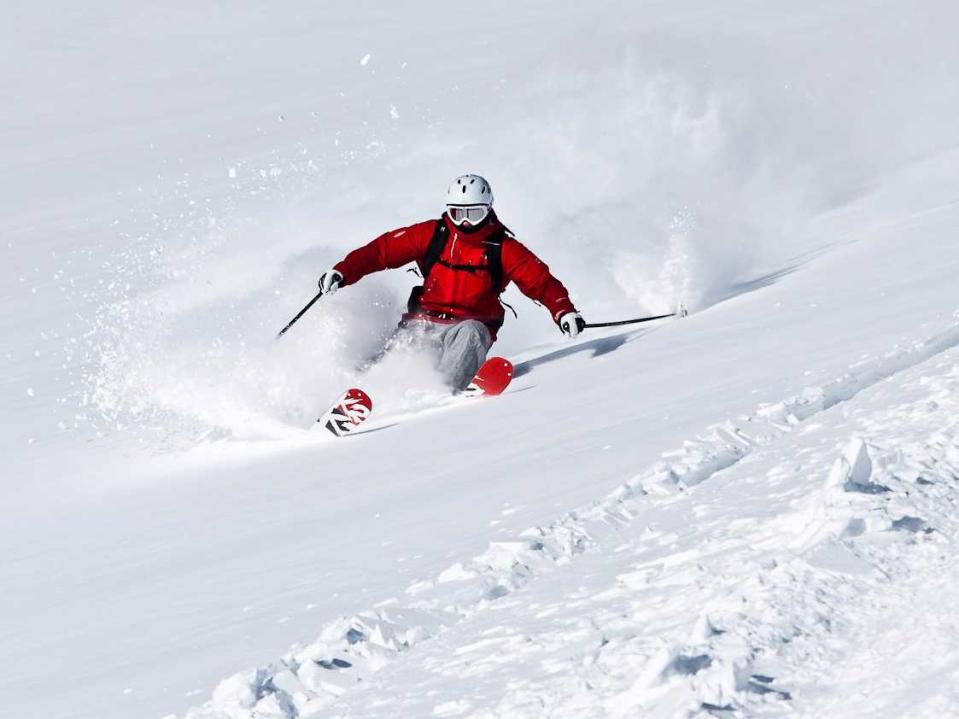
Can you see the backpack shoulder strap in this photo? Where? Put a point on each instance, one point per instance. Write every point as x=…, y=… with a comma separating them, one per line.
x=435, y=248
x=494, y=255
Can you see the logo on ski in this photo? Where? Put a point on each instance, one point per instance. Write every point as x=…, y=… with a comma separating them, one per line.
x=348, y=412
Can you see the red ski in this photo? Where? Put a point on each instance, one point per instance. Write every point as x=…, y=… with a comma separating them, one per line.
x=355, y=406
x=491, y=379
x=348, y=412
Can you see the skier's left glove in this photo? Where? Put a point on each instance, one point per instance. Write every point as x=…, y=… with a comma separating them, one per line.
x=330, y=282
x=571, y=324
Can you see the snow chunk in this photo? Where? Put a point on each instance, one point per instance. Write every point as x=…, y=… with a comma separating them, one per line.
x=456, y=573
x=852, y=472
x=241, y=691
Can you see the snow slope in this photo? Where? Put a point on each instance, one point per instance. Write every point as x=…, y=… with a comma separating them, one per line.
x=807, y=576
x=174, y=180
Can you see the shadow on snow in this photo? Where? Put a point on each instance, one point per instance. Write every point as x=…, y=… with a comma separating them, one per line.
x=598, y=347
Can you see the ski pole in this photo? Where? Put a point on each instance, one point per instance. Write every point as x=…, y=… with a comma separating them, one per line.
x=681, y=313
x=299, y=314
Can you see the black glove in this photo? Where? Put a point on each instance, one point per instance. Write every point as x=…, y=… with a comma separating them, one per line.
x=330, y=282
x=572, y=323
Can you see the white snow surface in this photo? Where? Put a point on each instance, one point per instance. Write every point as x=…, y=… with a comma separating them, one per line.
x=747, y=512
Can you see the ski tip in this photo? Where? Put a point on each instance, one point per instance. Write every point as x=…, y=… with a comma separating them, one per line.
x=492, y=378
x=355, y=394
x=347, y=413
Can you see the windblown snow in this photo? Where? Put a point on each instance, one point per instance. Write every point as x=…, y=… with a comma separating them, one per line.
x=750, y=511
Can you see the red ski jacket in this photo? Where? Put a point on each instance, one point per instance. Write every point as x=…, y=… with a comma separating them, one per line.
x=452, y=294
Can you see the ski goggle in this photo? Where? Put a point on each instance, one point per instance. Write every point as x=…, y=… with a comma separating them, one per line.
x=474, y=213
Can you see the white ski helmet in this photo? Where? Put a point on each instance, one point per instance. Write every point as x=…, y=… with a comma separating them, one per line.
x=469, y=190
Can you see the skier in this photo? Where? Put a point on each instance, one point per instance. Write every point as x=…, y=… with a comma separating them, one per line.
x=466, y=258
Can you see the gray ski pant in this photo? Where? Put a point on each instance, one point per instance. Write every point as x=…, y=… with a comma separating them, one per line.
x=459, y=348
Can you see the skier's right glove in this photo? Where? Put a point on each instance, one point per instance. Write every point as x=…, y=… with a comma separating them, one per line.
x=330, y=282
x=571, y=324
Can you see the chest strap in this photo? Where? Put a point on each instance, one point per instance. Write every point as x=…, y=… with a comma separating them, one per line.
x=494, y=255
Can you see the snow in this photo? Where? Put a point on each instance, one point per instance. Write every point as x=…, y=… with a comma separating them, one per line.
x=751, y=507
x=803, y=528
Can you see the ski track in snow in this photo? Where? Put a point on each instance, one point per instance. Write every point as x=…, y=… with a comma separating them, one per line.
x=768, y=596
